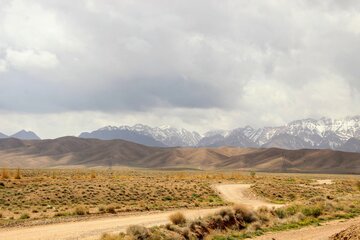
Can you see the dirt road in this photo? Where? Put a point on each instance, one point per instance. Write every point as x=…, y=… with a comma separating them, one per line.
x=312, y=233
x=239, y=193
x=93, y=229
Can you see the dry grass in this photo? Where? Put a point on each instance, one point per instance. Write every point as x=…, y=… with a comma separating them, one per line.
x=60, y=194
x=5, y=173
x=17, y=174
x=137, y=232
x=307, y=203
x=177, y=218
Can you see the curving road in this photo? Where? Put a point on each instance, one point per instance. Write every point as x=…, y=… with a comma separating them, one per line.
x=239, y=193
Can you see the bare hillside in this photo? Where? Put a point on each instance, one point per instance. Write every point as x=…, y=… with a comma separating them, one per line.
x=72, y=151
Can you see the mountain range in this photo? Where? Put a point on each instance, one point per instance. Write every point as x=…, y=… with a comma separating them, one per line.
x=325, y=133
x=23, y=134
x=80, y=152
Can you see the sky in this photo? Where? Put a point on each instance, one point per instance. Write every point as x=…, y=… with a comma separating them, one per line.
x=72, y=66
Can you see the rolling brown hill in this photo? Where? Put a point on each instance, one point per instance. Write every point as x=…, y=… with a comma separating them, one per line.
x=72, y=151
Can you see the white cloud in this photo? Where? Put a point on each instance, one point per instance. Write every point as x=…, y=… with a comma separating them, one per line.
x=30, y=60
x=3, y=66
x=32, y=24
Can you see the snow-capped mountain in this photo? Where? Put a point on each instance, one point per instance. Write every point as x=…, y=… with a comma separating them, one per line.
x=151, y=136
x=324, y=133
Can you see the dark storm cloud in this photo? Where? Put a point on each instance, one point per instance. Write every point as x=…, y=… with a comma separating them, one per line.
x=262, y=60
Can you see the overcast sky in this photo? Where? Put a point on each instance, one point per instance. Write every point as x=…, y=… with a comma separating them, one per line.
x=72, y=66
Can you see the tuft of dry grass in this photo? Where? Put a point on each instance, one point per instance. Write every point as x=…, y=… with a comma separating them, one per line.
x=17, y=174
x=111, y=209
x=177, y=218
x=245, y=213
x=138, y=232
x=93, y=174
x=5, y=173
x=107, y=236
x=81, y=210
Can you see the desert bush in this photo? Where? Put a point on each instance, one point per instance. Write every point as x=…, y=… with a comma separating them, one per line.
x=223, y=219
x=24, y=216
x=244, y=213
x=93, y=174
x=280, y=213
x=312, y=211
x=1, y=215
x=5, y=173
x=228, y=217
x=199, y=228
x=177, y=218
x=101, y=209
x=111, y=209
x=291, y=210
x=138, y=232
x=62, y=214
x=358, y=185
x=215, y=222
x=17, y=174
x=81, y=210
x=107, y=236
x=183, y=231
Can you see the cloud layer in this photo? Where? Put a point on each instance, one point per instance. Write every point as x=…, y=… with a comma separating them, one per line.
x=202, y=65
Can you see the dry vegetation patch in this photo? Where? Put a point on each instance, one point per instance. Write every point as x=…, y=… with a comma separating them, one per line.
x=61, y=194
x=306, y=204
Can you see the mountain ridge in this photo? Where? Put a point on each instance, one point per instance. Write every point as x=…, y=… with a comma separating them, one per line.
x=324, y=133
x=26, y=135
x=80, y=152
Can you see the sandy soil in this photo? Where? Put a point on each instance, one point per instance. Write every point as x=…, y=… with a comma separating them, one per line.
x=93, y=229
x=312, y=233
x=324, y=182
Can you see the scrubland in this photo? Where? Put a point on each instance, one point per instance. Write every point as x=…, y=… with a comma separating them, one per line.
x=52, y=195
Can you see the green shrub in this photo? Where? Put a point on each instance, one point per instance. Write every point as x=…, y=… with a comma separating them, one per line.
x=291, y=210
x=280, y=213
x=312, y=211
x=24, y=216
